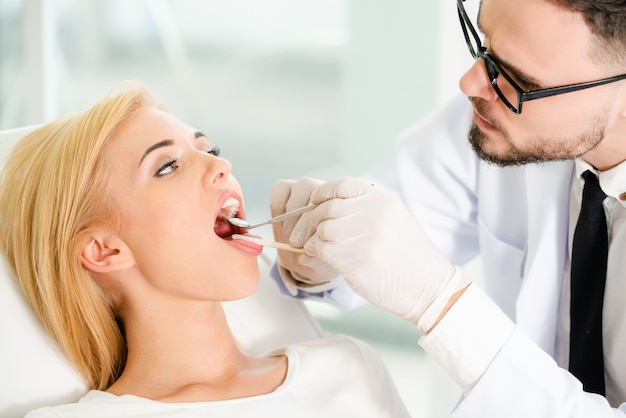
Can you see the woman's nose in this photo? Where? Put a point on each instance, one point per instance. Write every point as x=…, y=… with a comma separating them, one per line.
x=217, y=171
x=475, y=82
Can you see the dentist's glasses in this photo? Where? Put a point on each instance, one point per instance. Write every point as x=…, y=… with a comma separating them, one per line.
x=509, y=91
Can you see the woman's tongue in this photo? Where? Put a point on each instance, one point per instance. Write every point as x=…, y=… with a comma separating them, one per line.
x=223, y=229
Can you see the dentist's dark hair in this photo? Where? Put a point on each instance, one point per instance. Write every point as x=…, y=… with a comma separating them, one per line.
x=607, y=21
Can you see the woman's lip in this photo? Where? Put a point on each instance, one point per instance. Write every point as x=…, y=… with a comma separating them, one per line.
x=246, y=247
x=481, y=122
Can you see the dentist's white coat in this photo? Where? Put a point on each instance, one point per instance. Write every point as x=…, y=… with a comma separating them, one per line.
x=516, y=219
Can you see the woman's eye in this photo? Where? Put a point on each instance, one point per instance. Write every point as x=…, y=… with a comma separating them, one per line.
x=167, y=168
x=214, y=151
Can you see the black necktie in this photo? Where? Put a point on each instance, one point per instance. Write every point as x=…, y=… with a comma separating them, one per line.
x=589, y=255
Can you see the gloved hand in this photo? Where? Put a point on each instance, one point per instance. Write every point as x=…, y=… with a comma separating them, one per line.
x=371, y=239
x=298, y=271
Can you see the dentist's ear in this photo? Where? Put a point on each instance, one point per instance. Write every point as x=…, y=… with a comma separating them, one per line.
x=102, y=253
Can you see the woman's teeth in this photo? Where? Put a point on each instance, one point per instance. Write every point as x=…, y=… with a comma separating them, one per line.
x=222, y=227
x=229, y=208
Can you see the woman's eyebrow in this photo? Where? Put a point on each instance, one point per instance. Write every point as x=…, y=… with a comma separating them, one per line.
x=160, y=144
x=199, y=135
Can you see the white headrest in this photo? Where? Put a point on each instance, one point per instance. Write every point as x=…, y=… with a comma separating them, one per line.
x=33, y=371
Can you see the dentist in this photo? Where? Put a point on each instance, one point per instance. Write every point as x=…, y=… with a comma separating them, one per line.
x=544, y=335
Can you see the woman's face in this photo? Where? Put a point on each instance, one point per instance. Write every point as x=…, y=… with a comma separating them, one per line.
x=170, y=191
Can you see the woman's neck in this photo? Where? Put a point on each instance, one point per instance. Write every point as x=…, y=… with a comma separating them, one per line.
x=186, y=352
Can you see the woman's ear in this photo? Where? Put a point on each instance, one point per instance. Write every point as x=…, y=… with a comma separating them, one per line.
x=102, y=253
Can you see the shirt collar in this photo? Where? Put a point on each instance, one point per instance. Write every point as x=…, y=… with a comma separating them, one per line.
x=612, y=182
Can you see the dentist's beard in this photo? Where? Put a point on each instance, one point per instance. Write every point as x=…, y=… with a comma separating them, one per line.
x=512, y=157
x=540, y=150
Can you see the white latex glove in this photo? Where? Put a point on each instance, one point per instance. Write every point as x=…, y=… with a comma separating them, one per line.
x=373, y=241
x=298, y=271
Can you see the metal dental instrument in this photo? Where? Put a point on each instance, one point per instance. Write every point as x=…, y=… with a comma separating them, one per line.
x=244, y=224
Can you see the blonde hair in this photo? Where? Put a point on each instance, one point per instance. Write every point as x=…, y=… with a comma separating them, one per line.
x=52, y=190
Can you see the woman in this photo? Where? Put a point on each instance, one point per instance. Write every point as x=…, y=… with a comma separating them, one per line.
x=115, y=223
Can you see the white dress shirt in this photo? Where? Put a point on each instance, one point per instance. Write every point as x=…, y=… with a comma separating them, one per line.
x=477, y=318
x=613, y=184
x=336, y=376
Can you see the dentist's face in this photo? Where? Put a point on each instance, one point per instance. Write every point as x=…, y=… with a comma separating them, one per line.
x=541, y=45
x=170, y=191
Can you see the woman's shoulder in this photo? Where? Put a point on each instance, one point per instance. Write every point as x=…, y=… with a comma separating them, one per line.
x=333, y=351
x=339, y=342
x=349, y=369
x=95, y=403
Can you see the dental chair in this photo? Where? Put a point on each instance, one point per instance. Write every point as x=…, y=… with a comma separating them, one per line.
x=35, y=373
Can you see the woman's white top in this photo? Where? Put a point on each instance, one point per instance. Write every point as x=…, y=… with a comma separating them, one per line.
x=337, y=376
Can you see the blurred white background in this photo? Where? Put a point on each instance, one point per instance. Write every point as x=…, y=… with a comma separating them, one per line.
x=286, y=88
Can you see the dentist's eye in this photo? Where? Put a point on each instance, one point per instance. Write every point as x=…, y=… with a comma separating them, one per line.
x=214, y=151
x=167, y=168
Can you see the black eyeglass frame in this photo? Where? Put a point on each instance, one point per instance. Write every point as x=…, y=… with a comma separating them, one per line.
x=494, y=69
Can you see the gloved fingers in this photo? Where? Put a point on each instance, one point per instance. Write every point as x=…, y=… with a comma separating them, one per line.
x=281, y=192
x=354, y=208
x=288, y=195
x=347, y=256
x=305, y=268
x=312, y=262
x=314, y=271
x=301, y=191
x=343, y=188
x=303, y=229
x=293, y=284
x=349, y=227
x=336, y=198
x=377, y=213
x=292, y=194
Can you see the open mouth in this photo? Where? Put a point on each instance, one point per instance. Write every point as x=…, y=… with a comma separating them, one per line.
x=223, y=228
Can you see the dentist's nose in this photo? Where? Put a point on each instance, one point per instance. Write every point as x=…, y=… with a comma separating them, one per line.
x=475, y=82
x=217, y=172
